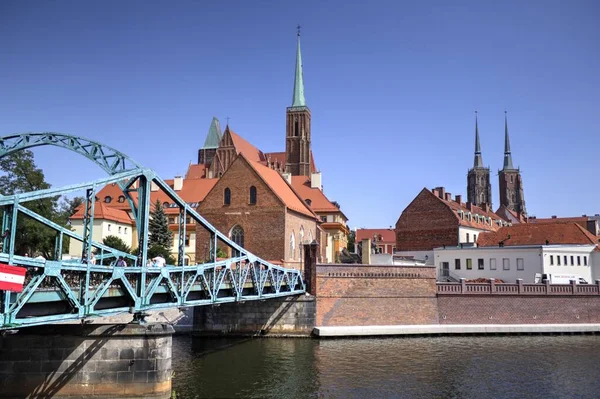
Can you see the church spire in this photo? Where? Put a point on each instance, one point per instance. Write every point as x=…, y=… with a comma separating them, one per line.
x=478, y=163
x=508, y=164
x=298, y=98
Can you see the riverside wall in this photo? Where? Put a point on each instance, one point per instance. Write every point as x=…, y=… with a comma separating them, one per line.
x=97, y=361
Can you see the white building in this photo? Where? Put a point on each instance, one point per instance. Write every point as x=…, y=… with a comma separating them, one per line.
x=517, y=262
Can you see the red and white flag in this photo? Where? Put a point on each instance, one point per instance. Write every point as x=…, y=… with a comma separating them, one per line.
x=12, y=278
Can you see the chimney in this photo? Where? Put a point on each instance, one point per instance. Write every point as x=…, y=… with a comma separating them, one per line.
x=583, y=216
x=553, y=216
x=448, y=197
x=435, y=192
x=458, y=199
x=316, y=180
x=153, y=186
x=287, y=176
x=178, y=183
x=469, y=206
x=441, y=192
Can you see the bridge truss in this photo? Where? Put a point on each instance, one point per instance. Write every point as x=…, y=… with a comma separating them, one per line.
x=58, y=290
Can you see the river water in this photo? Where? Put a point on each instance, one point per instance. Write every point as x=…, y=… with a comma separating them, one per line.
x=435, y=367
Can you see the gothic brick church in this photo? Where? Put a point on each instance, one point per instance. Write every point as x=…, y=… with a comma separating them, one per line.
x=270, y=203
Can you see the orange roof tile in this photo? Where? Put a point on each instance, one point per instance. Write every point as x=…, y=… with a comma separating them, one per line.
x=537, y=234
x=192, y=191
x=318, y=200
x=577, y=219
x=475, y=210
x=280, y=187
x=387, y=235
x=196, y=171
x=242, y=146
x=102, y=211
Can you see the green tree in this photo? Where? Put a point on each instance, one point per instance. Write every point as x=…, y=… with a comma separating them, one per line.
x=115, y=243
x=20, y=174
x=158, y=228
x=351, y=240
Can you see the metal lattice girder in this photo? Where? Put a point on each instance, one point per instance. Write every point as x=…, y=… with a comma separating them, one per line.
x=76, y=289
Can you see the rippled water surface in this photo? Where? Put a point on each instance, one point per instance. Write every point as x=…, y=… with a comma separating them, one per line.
x=441, y=367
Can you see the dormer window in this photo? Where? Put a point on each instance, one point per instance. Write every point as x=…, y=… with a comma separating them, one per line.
x=107, y=199
x=121, y=198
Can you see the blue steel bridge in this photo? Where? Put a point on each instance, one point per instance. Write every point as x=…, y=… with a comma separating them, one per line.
x=57, y=290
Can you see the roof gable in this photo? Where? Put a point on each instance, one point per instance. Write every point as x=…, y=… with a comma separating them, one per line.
x=387, y=235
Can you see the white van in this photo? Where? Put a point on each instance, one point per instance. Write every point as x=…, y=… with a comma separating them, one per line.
x=559, y=278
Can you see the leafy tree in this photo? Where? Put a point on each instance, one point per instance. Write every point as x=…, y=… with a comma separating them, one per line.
x=116, y=243
x=221, y=253
x=351, y=240
x=158, y=228
x=20, y=174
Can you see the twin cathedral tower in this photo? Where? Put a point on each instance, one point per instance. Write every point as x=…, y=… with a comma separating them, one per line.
x=479, y=188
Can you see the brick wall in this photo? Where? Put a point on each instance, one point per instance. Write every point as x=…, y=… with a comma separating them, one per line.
x=360, y=295
x=278, y=316
x=263, y=223
x=426, y=223
x=515, y=309
x=293, y=223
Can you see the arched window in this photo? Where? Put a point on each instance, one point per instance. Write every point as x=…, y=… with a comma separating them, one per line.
x=301, y=243
x=308, y=201
x=292, y=246
x=237, y=236
x=227, y=196
x=310, y=236
x=107, y=199
x=511, y=178
x=121, y=198
x=165, y=204
x=301, y=234
x=482, y=196
x=252, y=195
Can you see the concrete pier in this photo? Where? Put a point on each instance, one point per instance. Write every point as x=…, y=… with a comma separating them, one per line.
x=102, y=361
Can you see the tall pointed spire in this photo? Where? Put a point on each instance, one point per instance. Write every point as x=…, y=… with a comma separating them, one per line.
x=213, y=138
x=508, y=164
x=478, y=163
x=298, y=98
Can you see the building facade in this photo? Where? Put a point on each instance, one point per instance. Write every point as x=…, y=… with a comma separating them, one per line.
x=384, y=240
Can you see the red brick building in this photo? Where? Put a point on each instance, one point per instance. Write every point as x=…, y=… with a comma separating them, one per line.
x=259, y=210
x=434, y=219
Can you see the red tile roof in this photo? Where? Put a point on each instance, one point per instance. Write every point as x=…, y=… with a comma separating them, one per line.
x=475, y=210
x=577, y=219
x=193, y=190
x=537, y=234
x=242, y=146
x=318, y=200
x=105, y=212
x=196, y=171
x=387, y=235
x=280, y=188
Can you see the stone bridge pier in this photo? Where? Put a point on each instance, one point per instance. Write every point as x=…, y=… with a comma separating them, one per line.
x=95, y=360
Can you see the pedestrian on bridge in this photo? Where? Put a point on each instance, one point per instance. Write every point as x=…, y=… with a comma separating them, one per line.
x=159, y=261
x=121, y=262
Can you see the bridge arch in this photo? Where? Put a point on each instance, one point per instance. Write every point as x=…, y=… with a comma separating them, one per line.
x=109, y=159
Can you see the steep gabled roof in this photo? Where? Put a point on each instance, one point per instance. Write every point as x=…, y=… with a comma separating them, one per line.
x=196, y=171
x=280, y=187
x=538, y=234
x=214, y=135
x=242, y=146
x=473, y=222
x=318, y=200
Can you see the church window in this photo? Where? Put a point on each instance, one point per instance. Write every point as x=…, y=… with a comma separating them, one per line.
x=227, y=196
x=252, y=195
x=482, y=199
x=310, y=236
x=237, y=236
x=511, y=178
x=296, y=126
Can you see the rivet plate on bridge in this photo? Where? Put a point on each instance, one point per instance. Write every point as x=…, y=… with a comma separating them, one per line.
x=52, y=268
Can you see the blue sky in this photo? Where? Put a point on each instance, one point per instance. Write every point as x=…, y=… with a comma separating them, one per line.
x=392, y=87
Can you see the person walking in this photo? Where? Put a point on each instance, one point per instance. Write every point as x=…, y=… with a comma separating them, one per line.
x=121, y=262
